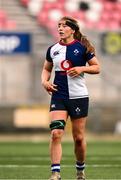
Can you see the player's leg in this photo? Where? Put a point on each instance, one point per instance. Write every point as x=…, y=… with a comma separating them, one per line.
x=78, y=131
x=58, y=121
x=78, y=111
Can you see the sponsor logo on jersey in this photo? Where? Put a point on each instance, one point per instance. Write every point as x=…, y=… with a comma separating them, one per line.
x=66, y=65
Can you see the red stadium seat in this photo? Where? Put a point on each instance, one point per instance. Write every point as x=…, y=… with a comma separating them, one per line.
x=5, y=23
x=105, y=16
x=90, y=24
x=56, y=5
x=42, y=17
x=108, y=6
x=25, y=2
x=79, y=15
x=3, y=19
x=113, y=25
x=116, y=15
x=1, y=26
x=118, y=6
x=102, y=25
x=10, y=25
x=3, y=15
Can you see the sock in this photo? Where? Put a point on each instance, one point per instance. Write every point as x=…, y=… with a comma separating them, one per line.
x=55, y=167
x=80, y=166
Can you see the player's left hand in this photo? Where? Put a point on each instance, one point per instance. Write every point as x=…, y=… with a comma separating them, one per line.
x=75, y=71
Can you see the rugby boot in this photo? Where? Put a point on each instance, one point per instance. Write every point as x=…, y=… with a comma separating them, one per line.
x=80, y=175
x=55, y=176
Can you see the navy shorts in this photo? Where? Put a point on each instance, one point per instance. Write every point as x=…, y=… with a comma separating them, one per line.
x=76, y=108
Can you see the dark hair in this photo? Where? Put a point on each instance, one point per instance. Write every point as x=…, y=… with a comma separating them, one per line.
x=73, y=23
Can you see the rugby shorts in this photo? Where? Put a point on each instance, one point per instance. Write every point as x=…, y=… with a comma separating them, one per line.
x=76, y=108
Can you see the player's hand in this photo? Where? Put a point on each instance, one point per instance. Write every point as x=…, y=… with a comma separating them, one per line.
x=50, y=87
x=75, y=71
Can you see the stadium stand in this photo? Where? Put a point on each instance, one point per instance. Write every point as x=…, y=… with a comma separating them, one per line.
x=104, y=15
x=20, y=74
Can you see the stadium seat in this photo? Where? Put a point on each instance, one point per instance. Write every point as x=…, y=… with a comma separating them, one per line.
x=1, y=25
x=25, y=2
x=115, y=15
x=96, y=6
x=5, y=23
x=89, y=24
x=108, y=6
x=10, y=25
x=48, y=6
x=106, y=15
x=92, y=16
x=118, y=6
x=102, y=25
x=34, y=7
x=3, y=15
x=55, y=14
x=80, y=15
x=113, y=25
x=71, y=6
x=42, y=18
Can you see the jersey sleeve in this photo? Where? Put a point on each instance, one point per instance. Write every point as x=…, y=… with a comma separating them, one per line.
x=89, y=55
x=48, y=55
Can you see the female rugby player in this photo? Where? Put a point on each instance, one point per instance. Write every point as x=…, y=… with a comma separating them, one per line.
x=70, y=58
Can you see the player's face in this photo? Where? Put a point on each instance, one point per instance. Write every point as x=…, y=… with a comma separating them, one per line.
x=65, y=31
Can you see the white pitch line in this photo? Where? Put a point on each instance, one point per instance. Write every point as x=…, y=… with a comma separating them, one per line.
x=64, y=158
x=27, y=158
x=67, y=166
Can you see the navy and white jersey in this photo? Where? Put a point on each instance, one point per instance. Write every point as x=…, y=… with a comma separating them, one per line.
x=64, y=56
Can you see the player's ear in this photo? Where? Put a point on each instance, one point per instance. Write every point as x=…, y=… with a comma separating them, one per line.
x=73, y=31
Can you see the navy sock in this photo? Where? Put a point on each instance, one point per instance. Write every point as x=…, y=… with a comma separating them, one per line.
x=80, y=166
x=55, y=167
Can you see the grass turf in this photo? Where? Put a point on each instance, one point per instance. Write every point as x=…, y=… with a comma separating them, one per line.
x=27, y=160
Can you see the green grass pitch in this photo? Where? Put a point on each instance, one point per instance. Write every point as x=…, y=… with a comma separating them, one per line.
x=27, y=160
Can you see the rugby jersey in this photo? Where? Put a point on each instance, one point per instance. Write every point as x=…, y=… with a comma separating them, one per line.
x=65, y=56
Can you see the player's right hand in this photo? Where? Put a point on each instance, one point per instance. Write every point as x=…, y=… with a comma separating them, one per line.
x=50, y=88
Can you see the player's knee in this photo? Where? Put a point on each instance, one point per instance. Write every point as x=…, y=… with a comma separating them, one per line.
x=57, y=124
x=79, y=140
x=57, y=129
x=56, y=135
